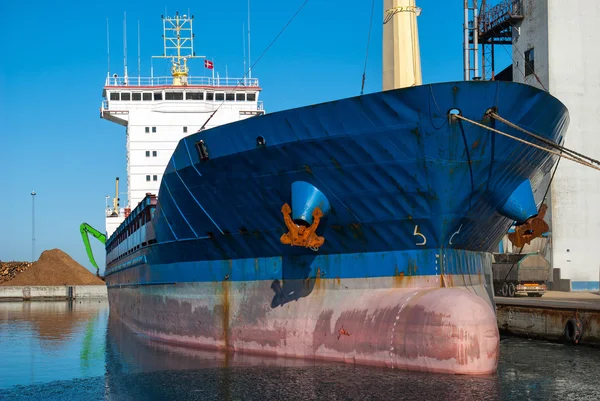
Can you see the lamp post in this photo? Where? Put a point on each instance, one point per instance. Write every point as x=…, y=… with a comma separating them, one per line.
x=32, y=226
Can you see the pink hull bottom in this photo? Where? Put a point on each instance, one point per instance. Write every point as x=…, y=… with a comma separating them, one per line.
x=442, y=330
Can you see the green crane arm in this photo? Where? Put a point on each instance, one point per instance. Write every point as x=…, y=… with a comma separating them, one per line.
x=85, y=228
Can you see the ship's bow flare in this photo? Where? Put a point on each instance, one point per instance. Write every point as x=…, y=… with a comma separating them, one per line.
x=445, y=330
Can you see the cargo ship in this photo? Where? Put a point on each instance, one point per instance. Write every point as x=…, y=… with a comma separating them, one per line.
x=358, y=230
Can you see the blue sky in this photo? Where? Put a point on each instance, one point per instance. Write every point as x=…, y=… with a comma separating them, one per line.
x=53, y=141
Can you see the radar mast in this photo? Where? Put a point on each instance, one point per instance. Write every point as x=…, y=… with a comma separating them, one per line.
x=178, y=39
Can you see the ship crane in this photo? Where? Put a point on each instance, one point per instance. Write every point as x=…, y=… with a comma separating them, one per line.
x=86, y=229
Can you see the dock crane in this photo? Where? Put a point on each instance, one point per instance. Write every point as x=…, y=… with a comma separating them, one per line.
x=86, y=229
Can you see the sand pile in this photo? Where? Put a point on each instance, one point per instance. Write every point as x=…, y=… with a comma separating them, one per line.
x=54, y=267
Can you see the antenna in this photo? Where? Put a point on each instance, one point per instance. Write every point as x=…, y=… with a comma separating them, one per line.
x=32, y=226
x=125, y=46
x=249, y=63
x=116, y=199
x=139, y=76
x=244, y=47
x=178, y=40
x=108, y=48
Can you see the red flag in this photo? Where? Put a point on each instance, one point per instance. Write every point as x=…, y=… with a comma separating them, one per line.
x=208, y=64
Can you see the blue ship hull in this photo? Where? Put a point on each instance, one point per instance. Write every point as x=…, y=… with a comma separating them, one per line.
x=416, y=201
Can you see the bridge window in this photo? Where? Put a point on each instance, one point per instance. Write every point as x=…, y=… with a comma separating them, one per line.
x=153, y=129
x=529, y=62
x=136, y=96
x=115, y=96
x=147, y=153
x=230, y=97
x=147, y=96
x=240, y=97
x=125, y=96
x=210, y=96
x=157, y=95
x=194, y=95
x=184, y=129
x=154, y=178
x=147, y=129
x=173, y=95
x=251, y=97
x=147, y=178
x=154, y=153
x=219, y=96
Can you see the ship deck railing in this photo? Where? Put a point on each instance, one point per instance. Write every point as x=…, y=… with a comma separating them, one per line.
x=188, y=81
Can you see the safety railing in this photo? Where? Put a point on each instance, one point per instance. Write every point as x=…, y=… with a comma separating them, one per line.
x=500, y=14
x=168, y=81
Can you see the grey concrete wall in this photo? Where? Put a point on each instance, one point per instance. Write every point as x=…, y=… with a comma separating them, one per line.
x=59, y=292
x=547, y=323
x=574, y=77
x=565, y=38
x=532, y=33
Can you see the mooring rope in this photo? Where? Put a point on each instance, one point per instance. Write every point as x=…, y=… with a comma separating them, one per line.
x=566, y=156
x=547, y=141
x=256, y=62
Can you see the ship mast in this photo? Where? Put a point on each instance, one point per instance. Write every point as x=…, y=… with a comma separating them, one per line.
x=401, y=55
x=178, y=45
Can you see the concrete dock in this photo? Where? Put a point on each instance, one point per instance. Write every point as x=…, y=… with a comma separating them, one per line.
x=572, y=317
x=58, y=292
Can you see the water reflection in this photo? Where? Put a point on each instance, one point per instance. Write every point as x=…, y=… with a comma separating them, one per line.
x=138, y=368
x=47, y=341
x=79, y=351
x=54, y=323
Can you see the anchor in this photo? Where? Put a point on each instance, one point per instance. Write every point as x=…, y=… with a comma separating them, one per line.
x=301, y=235
x=533, y=228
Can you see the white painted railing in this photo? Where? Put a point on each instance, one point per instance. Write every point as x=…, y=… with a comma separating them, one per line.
x=168, y=81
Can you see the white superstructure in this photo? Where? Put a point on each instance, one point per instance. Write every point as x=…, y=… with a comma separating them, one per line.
x=561, y=42
x=159, y=111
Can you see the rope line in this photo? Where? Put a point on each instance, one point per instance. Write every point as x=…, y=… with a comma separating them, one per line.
x=576, y=160
x=256, y=62
x=547, y=141
x=364, y=76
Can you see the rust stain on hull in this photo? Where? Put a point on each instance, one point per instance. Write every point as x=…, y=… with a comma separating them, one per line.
x=225, y=318
x=408, y=328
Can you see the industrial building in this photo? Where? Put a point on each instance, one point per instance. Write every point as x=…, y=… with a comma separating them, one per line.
x=555, y=46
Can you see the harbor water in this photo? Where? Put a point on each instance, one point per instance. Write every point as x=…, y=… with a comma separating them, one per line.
x=77, y=350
